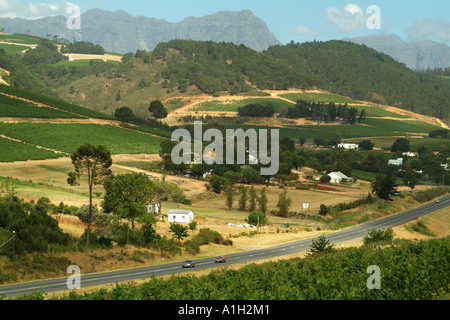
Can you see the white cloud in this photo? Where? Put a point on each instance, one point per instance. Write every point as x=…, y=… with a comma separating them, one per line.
x=429, y=28
x=350, y=18
x=304, y=30
x=29, y=10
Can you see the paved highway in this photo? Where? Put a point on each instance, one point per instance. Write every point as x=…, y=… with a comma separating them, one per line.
x=348, y=234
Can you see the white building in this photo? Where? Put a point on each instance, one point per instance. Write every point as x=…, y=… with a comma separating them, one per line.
x=395, y=162
x=180, y=216
x=408, y=154
x=339, y=177
x=153, y=208
x=352, y=146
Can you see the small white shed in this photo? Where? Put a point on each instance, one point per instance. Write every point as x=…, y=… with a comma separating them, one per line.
x=153, y=208
x=180, y=215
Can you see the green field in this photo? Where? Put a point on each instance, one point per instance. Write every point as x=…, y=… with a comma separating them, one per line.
x=402, y=126
x=11, y=151
x=319, y=97
x=67, y=137
x=18, y=38
x=416, y=142
x=325, y=131
x=379, y=112
x=17, y=108
x=11, y=49
x=233, y=106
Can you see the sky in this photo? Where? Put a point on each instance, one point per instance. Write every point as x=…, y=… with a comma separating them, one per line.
x=288, y=20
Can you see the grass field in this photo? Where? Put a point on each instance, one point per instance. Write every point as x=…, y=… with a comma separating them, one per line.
x=11, y=49
x=18, y=38
x=67, y=137
x=319, y=97
x=232, y=106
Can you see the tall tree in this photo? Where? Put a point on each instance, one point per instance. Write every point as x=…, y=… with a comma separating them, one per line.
x=262, y=201
x=284, y=203
x=94, y=162
x=384, y=186
x=127, y=195
x=165, y=191
x=252, y=199
x=243, y=198
x=229, y=195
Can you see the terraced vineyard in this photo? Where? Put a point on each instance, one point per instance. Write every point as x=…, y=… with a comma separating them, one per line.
x=10, y=107
x=67, y=137
x=234, y=105
x=11, y=151
x=319, y=97
x=54, y=102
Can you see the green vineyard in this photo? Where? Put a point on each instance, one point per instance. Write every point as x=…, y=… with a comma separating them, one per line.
x=408, y=271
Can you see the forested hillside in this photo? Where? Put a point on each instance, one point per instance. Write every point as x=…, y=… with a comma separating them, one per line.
x=365, y=74
x=340, y=67
x=187, y=67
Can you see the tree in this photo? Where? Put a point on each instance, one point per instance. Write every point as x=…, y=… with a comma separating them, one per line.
x=257, y=218
x=376, y=236
x=124, y=114
x=192, y=226
x=252, y=199
x=262, y=201
x=321, y=245
x=157, y=110
x=366, y=145
x=370, y=163
x=243, y=198
x=323, y=210
x=229, y=196
x=410, y=178
x=179, y=231
x=127, y=195
x=98, y=219
x=168, y=192
x=284, y=203
x=341, y=161
x=93, y=162
x=401, y=144
x=384, y=186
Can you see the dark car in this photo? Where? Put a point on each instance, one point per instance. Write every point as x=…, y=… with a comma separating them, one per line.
x=189, y=264
x=221, y=259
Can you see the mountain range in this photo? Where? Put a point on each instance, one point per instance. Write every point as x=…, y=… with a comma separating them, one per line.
x=121, y=32
x=417, y=55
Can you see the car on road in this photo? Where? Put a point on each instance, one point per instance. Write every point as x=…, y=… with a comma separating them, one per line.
x=189, y=264
x=437, y=201
x=221, y=259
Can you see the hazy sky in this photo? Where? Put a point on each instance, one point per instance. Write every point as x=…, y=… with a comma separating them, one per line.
x=296, y=20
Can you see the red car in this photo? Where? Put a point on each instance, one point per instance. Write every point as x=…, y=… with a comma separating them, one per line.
x=221, y=259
